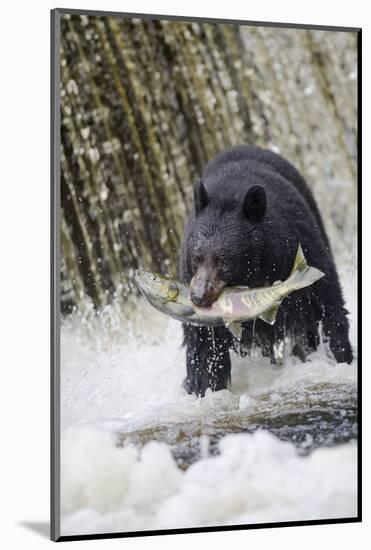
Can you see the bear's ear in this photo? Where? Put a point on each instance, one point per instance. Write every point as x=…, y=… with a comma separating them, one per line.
x=255, y=203
x=200, y=196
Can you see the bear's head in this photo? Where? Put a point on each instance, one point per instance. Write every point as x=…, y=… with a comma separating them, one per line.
x=225, y=243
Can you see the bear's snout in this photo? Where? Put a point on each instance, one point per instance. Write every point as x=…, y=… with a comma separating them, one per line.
x=205, y=287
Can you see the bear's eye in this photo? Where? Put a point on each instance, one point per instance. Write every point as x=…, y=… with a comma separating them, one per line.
x=198, y=258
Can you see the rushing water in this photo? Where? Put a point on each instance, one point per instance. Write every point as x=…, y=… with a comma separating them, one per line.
x=139, y=453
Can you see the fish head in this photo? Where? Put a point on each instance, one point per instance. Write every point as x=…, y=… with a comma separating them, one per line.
x=156, y=287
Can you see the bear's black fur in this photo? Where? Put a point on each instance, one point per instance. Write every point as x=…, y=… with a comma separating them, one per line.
x=251, y=210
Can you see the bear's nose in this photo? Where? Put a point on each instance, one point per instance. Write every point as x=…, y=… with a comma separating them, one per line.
x=203, y=298
x=199, y=300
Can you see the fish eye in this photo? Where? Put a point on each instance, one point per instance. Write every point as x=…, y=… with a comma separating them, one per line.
x=154, y=278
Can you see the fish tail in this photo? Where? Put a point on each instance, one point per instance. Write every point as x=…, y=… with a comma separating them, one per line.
x=303, y=275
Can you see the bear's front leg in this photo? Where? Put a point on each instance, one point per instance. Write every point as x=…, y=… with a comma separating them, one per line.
x=336, y=329
x=208, y=360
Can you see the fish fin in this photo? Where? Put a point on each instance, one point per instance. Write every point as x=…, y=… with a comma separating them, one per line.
x=235, y=327
x=277, y=282
x=300, y=263
x=303, y=275
x=269, y=316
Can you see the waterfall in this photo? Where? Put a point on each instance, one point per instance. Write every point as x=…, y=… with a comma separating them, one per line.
x=144, y=106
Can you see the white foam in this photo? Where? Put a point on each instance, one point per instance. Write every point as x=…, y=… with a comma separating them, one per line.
x=136, y=382
x=121, y=374
x=256, y=478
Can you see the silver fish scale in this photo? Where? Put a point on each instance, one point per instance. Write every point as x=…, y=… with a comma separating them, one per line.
x=236, y=304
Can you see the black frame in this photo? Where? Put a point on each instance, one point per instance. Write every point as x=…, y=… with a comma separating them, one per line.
x=55, y=278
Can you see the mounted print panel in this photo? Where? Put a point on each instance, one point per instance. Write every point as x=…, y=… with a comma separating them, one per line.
x=205, y=272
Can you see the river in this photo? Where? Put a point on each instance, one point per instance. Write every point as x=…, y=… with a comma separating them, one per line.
x=139, y=453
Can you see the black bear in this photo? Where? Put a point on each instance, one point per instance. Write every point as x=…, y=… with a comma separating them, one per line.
x=251, y=210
